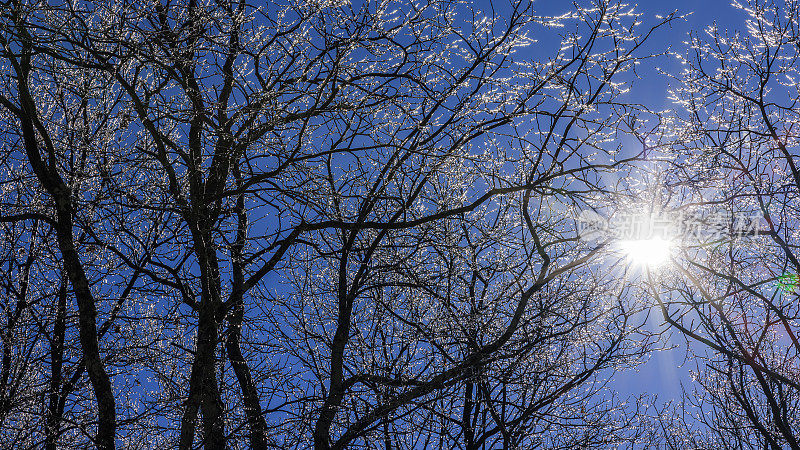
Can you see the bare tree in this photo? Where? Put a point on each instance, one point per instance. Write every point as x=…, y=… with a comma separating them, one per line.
x=736, y=294
x=326, y=223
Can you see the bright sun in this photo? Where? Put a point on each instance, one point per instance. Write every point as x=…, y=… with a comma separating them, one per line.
x=647, y=252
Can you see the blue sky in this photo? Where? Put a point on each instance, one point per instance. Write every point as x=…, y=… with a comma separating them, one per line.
x=665, y=371
x=663, y=374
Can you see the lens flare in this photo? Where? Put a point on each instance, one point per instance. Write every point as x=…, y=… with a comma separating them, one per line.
x=651, y=252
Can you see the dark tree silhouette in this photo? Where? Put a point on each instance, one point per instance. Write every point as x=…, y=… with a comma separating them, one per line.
x=314, y=223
